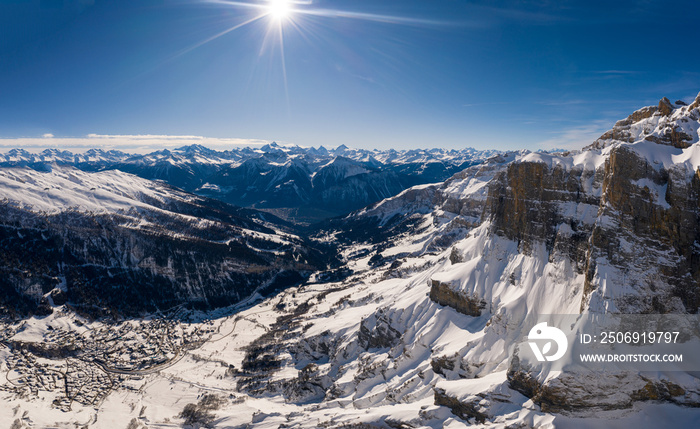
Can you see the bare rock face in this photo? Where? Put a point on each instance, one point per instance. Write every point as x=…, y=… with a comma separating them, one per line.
x=444, y=294
x=525, y=204
x=464, y=410
x=470, y=207
x=584, y=391
x=574, y=393
x=651, y=222
x=665, y=106
x=309, y=385
x=376, y=332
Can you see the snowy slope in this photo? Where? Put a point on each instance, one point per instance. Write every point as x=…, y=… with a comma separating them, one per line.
x=95, y=238
x=64, y=188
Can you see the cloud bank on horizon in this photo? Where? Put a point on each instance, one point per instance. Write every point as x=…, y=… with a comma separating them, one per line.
x=126, y=143
x=572, y=139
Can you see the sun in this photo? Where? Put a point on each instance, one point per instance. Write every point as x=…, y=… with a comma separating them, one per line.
x=279, y=9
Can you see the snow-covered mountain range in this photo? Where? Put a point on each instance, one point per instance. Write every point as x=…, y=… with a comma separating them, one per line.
x=112, y=242
x=423, y=330
x=300, y=184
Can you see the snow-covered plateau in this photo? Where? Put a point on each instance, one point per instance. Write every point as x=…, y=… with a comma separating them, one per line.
x=416, y=326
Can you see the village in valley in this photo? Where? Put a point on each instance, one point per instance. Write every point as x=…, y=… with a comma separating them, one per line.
x=82, y=363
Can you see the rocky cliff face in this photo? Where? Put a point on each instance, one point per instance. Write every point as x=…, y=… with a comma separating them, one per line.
x=650, y=224
x=444, y=294
x=530, y=201
x=630, y=213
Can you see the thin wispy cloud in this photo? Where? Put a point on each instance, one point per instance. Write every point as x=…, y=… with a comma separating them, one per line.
x=607, y=75
x=522, y=15
x=573, y=102
x=616, y=72
x=488, y=103
x=576, y=137
x=682, y=81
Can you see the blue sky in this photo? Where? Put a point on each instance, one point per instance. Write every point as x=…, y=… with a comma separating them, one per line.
x=369, y=74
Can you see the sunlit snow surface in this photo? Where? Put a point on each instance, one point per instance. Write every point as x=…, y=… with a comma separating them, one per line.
x=403, y=388
x=65, y=188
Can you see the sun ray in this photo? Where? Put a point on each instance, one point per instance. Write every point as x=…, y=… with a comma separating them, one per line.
x=388, y=19
x=216, y=36
x=284, y=71
x=300, y=30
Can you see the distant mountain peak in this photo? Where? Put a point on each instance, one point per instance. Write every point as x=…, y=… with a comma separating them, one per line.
x=272, y=147
x=19, y=152
x=194, y=149
x=670, y=124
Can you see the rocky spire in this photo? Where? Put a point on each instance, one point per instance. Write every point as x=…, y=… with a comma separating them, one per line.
x=665, y=106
